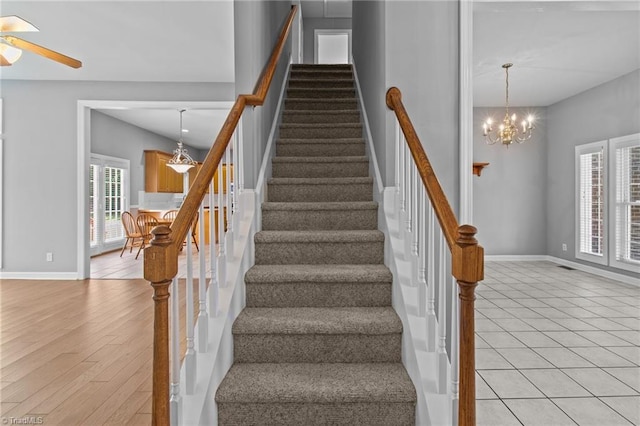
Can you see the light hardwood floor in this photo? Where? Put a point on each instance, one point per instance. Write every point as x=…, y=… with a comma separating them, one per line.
x=76, y=352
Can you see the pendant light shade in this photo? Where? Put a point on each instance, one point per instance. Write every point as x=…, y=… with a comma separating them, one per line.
x=181, y=161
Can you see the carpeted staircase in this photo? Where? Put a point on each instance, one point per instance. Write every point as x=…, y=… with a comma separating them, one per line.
x=318, y=342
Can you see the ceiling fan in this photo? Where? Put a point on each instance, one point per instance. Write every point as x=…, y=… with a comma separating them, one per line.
x=10, y=46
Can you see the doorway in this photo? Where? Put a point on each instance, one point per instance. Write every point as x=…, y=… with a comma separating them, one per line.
x=332, y=46
x=108, y=198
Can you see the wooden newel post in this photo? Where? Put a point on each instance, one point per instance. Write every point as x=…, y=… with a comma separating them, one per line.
x=468, y=269
x=160, y=266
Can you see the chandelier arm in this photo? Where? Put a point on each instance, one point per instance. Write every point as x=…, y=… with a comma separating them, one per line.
x=490, y=140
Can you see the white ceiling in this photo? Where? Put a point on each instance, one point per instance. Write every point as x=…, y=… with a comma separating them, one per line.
x=559, y=48
x=203, y=125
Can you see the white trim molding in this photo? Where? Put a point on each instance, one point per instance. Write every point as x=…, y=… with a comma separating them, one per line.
x=466, y=111
x=39, y=276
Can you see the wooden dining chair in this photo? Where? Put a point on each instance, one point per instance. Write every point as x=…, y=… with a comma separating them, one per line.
x=133, y=234
x=145, y=223
x=171, y=215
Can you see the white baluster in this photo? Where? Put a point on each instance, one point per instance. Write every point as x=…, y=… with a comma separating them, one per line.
x=416, y=188
x=228, y=199
x=431, y=280
x=203, y=329
x=421, y=260
x=398, y=141
x=239, y=171
x=222, y=253
x=442, y=318
x=190, y=355
x=408, y=201
x=403, y=183
x=455, y=353
x=175, y=400
x=213, y=256
x=236, y=143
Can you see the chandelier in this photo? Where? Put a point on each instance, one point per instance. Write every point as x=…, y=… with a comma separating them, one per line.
x=508, y=131
x=181, y=161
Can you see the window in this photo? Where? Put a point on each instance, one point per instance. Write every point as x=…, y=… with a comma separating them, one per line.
x=108, y=198
x=608, y=202
x=625, y=200
x=590, y=177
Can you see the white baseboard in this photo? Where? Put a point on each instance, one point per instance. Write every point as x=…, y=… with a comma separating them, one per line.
x=579, y=266
x=43, y=276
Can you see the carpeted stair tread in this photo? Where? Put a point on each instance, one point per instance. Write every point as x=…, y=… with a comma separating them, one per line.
x=337, y=81
x=320, y=141
x=304, y=206
x=321, y=181
x=305, y=320
x=317, y=383
x=327, y=216
x=268, y=274
x=321, y=92
x=320, y=104
x=320, y=126
x=341, y=159
x=326, y=116
x=281, y=286
x=321, y=66
x=267, y=237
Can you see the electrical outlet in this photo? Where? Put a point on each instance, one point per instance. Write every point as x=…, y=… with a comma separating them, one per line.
x=564, y=247
x=49, y=257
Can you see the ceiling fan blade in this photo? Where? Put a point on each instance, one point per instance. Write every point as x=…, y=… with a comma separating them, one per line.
x=43, y=51
x=15, y=23
x=8, y=54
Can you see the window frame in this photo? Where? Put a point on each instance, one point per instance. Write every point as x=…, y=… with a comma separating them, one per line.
x=103, y=161
x=591, y=148
x=615, y=144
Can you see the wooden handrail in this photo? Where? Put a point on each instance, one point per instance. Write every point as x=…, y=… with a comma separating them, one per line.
x=161, y=257
x=441, y=205
x=467, y=258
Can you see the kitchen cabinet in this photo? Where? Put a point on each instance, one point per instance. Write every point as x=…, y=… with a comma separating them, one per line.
x=227, y=172
x=158, y=177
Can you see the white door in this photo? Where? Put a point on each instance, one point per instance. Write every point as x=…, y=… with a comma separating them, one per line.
x=332, y=46
x=108, y=198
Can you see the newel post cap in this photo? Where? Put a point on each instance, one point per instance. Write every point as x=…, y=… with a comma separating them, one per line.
x=467, y=256
x=161, y=257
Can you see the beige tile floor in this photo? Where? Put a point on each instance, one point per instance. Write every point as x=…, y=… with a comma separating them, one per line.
x=556, y=347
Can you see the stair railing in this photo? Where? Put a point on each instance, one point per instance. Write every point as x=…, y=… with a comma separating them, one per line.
x=161, y=257
x=466, y=257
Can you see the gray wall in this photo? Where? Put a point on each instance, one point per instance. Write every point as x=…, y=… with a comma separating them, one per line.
x=368, y=45
x=257, y=27
x=414, y=46
x=309, y=26
x=510, y=197
x=115, y=138
x=40, y=197
x=606, y=111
